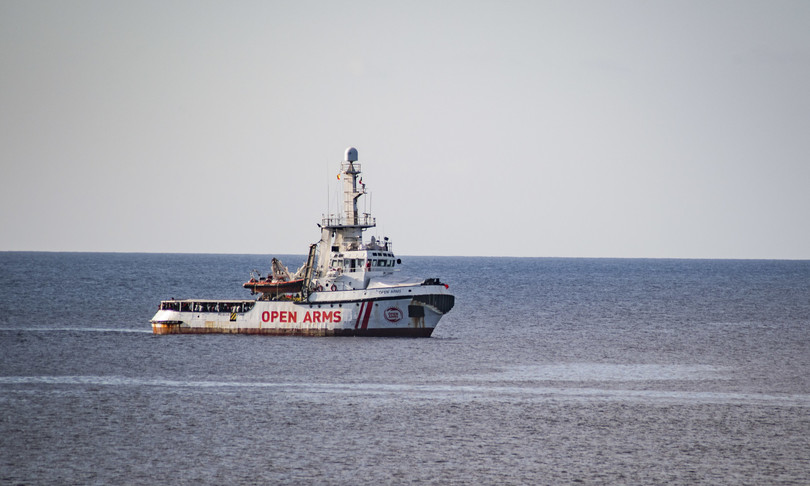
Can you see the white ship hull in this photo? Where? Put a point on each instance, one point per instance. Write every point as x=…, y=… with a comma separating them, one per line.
x=412, y=311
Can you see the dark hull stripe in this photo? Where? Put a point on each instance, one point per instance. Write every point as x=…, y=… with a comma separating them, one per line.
x=369, y=307
x=390, y=332
x=360, y=315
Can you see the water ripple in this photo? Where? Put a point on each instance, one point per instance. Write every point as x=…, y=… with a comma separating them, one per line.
x=451, y=392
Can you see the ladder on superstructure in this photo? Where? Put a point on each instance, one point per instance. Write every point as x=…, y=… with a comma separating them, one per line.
x=313, y=250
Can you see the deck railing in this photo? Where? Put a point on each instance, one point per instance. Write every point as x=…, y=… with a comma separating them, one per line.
x=336, y=221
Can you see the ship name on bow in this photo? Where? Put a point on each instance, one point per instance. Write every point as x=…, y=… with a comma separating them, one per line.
x=291, y=317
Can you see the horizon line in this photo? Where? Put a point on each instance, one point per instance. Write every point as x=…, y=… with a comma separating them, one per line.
x=127, y=252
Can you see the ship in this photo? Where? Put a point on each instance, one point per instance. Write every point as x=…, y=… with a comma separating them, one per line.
x=348, y=286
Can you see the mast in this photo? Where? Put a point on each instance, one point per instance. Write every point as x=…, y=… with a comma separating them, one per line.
x=346, y=228
x=350, y=194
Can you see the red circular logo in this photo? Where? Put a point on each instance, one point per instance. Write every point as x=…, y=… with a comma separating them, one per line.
x=392, y=314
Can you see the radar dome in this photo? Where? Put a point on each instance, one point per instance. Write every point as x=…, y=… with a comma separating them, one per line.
x=351, y=154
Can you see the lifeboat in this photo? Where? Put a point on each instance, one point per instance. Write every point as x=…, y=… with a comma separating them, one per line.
x=266, y=286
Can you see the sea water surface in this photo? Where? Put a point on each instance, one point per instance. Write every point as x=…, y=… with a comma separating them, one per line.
x=547, y=371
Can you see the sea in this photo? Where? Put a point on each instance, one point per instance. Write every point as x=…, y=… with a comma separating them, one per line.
x=547, y=371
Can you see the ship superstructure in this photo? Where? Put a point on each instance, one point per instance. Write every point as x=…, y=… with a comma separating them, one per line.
x=347, y=286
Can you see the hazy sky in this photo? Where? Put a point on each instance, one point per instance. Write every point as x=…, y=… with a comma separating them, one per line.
x=536, y=128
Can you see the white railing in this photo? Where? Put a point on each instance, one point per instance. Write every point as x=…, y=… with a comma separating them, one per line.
x=334, y=221
x=345, y=166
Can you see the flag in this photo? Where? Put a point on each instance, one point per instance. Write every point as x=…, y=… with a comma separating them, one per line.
x=338, y=176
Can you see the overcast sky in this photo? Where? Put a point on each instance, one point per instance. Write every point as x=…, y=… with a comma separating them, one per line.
x=501, y=128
